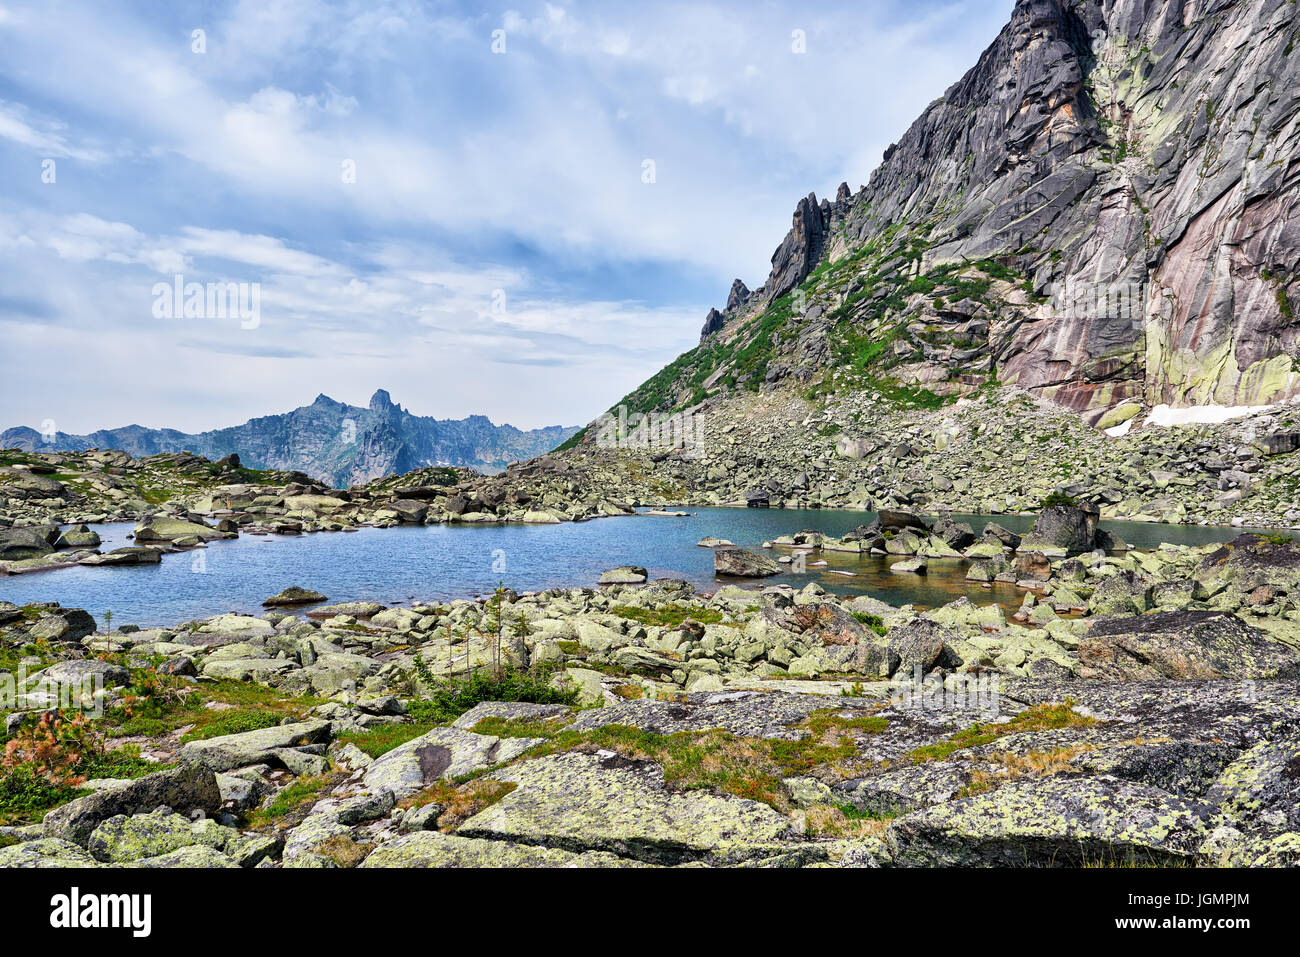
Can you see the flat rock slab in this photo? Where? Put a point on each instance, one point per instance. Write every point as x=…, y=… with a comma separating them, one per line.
x=434, y=849
x=1185, y=645
x=510, y=711
x=1053, y=822
x=749, y=714
x=604, y=802
x=253, y=747
x=442, y=753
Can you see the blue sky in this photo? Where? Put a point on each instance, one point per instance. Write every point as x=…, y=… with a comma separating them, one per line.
x=499, y=251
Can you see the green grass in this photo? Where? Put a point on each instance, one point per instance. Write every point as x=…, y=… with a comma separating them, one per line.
x=668, y=616
x=1043, y=717
x=445, y=699
x=874, y=622
x=293, y=797
x=381, y=740
x=233, y=722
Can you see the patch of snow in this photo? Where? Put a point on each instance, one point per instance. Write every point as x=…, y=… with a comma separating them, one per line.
x=1115, y=431
x=1164, y=415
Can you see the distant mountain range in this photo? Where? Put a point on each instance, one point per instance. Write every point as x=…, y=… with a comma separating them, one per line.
x=331, y=441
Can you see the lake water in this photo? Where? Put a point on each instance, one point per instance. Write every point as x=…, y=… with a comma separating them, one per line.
x=438, y=563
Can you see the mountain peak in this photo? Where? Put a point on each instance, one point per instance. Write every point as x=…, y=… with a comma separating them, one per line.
x=381, y=401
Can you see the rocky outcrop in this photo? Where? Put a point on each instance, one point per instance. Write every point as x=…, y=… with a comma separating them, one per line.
x=1103, y=210
x=1186, y=645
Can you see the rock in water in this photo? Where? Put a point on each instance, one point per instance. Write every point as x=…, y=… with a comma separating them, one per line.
x=293, y=595
x=742, y=563
x=624, y=575
x=1060, y=529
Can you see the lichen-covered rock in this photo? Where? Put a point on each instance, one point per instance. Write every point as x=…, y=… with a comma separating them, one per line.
x=1261, y=790
x=1052, y=822
x=434, y=849
x=45, y=852
x=184, y=788
x=439, y=754
x=603, y=802
x=1182, y=645
x=253, y=747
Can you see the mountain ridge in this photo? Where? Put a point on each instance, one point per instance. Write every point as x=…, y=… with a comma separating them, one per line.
x=329, y=440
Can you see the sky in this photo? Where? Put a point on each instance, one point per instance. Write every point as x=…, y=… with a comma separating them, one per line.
x=520, y=211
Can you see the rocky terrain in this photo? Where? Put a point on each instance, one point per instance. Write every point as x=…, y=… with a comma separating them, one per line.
x=1140, y=708
x=330, y=441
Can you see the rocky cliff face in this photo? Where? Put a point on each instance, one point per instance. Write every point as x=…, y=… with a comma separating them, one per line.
x=1104, y=210
x=331, y=441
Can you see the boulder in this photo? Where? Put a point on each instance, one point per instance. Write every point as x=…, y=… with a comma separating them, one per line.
x=605, y=802
x=252, y=747
x=186, y=787
x=1062, y=528
x=742, y=563
x=1053, y=822
x=164, y=528
x=19, y=544
x=624, y=575
x=441, y=753
x=293, y=595
x=127, y=555
x=1184, y=645
x=894, y=518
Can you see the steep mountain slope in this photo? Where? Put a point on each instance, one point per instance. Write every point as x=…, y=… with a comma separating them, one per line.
x=1105, y=211
x=331, y=441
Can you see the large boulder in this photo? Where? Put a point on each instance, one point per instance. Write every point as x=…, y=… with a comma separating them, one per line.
x=164, y=528
x=187, y=787
x=26, y=484
x=624, y=575
x=1184, y=645
x=1060, y=529
x=742, y=563
x=895, y=518
x=1053, y=822
x=441, y=753
x=604, y=802
x=66, y=625
x=293, y=595
x=18, y=544
x=262, y=746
